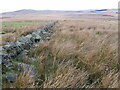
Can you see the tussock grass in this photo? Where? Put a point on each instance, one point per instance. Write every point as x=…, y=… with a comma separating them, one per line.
x=79, y=58
x=81, y=54
x=24, y=81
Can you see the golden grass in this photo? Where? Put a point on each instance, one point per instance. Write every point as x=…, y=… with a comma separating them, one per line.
x=13, y=33
x=24, y=81
x=81, y=54
x=9, y=37
x=84, y=57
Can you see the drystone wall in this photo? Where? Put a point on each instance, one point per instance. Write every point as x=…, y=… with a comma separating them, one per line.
x=19, y=48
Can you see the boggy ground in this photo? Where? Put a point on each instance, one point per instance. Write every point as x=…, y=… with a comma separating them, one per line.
x=80, y=54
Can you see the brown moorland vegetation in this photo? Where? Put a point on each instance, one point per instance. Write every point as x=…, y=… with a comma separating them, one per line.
x=82, y=51
x=81, y=54
x=14, y=29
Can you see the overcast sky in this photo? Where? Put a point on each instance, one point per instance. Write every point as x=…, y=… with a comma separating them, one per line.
x=12, y=5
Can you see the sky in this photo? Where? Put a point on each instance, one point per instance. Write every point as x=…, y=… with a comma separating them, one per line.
x=13, y=5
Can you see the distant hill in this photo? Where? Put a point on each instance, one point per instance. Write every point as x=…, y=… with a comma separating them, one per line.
x=30, y=11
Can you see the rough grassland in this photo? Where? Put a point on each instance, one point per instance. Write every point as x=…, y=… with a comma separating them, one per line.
x=85, y=53
x=11, y=30
x=80, y=54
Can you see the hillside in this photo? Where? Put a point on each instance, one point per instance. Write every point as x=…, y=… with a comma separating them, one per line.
x=28, y=14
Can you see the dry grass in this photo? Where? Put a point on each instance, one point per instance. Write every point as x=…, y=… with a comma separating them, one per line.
x=10, y=37
x=14, y=32
x=84, y=58
x=81, y=54
x=24, y=81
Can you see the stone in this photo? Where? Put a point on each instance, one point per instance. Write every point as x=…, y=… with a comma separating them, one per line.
x=12, y=78
x=22, y=55
x=19, y=49
x=6, y=60
x=31, y=60
x=28, y=68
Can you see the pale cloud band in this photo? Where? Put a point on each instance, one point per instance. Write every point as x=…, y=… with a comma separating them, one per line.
x=12, y=5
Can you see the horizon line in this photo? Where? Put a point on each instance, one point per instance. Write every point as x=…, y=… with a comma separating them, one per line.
x=54, y=10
